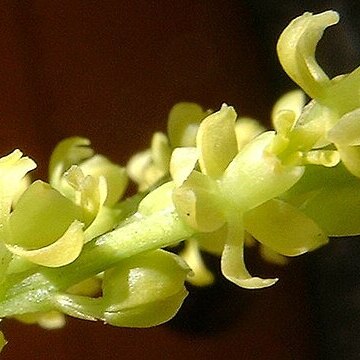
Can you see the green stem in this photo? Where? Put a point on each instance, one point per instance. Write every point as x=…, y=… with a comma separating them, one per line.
x=138, y=235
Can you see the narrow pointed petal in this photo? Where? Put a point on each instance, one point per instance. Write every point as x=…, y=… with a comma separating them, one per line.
x=233, y=265
x=296, y=50
x=216, y=141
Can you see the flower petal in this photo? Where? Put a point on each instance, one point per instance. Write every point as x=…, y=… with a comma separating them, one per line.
x=43, y=228
x=255, y=176
x=82, y=307
x=106, y=220
x=216, y=141
x=90, y=192
x=293, y=101
x=68, y=152
x=160, y=151
x=13, y=168
x=40, y=217
x=232, y=262
x=144, y=290
x=246, y=129
x=198, y=203
x=115, y=176
x=136, y=169
x=284, y=228
x=296, y=50
x=329, y=196
x=200, y=275
x=313, y=125
x=347, y=130
x=62, y=252
x=183, y=123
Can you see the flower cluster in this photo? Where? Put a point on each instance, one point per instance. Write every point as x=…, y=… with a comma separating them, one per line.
x=74, y=246
x=49, y=224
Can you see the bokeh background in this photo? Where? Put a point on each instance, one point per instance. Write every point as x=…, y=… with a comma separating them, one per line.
x=110, y=71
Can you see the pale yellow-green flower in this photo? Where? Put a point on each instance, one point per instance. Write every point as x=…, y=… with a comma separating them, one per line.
x=230, y=189
x=141, y=291
x=44, y=227
x=296, y=49
x=333, y=115
x=231, y=182
x=148, y=167
x=92, y=182
x=49, y=224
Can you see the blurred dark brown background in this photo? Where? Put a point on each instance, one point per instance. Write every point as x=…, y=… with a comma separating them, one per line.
x=110, y=71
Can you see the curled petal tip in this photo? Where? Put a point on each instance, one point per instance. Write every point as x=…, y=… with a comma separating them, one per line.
x=296, y=50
